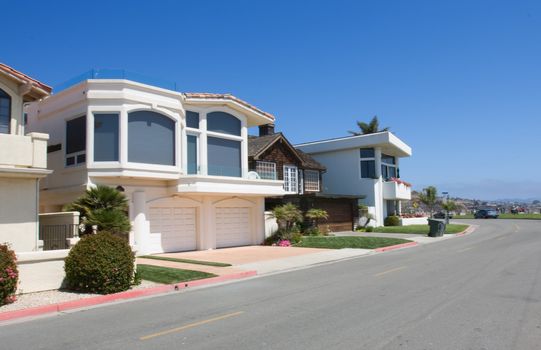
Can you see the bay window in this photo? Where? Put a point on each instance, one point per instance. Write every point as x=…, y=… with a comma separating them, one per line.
x=106, y=139
x=5, y=112
x=151, y=138
x=76, y=141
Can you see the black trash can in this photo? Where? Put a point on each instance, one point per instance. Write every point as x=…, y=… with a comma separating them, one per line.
x=437, y=227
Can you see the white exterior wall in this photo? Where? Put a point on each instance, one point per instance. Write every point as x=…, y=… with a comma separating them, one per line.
x=148, y=184
x=342, y=159
x=18, y=213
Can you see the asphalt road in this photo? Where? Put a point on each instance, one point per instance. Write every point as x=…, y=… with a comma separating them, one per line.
x=481, y=291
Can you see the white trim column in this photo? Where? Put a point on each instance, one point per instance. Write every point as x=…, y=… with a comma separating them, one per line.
x=203, y=159
x=259, y=216
x=207, y=223
x=123, y=155
x=141, y=228
x=244, y=149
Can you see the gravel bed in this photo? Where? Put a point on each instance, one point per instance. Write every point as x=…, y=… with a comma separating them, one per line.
x=29, y=300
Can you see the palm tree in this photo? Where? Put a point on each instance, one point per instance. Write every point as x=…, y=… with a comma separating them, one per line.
x=315, y=215
x=104, y=207
x=370, y=128
x=448, y=206
x=287, y=215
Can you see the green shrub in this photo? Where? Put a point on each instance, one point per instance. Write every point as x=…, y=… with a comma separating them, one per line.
x=9, y=275
x=313, y=231
x=391, y=220
x=294, y=236
x=100, y=263
x=369, y=228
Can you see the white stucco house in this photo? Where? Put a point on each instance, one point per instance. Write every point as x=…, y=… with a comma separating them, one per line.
x=364, y=165
x=23, y=161
x=180, y=158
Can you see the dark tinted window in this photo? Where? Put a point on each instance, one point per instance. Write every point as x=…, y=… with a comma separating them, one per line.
x=368, y=169
x=223, y=157
x=387, y=159
x=192, y=154
x=5, y=112
x=105, y=137
x=367, y=153
x=151, y=138
x=192, y=120
x=76, y=135
x=223, y=122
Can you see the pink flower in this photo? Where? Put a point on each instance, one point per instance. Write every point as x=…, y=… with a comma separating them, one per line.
x=284, y=243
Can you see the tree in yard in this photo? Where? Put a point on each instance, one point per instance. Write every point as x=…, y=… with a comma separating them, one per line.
x=369, y=128
x=448, y=206
x=428, y=197
x=104, y=207
x=315, y=215
x=287, y=215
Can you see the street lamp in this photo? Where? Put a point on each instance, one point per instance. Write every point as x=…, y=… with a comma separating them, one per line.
x=447, y=209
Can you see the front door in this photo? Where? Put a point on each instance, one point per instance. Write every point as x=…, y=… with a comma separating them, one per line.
x=290, y=178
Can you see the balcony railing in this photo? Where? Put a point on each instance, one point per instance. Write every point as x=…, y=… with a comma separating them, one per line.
x=116, y=74
x=24, y=151
x=396, y=190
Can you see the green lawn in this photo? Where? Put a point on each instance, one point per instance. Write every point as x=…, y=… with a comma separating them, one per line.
x=167, y=275
x=187, y=261
x=420, y=229
x=348, y=242
x=506, y=216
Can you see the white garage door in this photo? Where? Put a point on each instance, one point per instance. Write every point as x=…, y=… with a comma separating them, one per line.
x=233, y=227
x=176, y=226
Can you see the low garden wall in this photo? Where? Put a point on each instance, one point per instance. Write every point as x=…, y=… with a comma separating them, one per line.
x=414, y=221
x=271, y=225
x=40, y=271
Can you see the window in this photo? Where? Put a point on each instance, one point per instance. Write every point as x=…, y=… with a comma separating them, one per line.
x=311, y=180
x=224, y=123
x=266, y=170
x=368, y=163
x=301, y=181
x=151, y=138
x=105, y=137
x=5, y=112
x=193, y=167
x=223, y=157
x=290, y=178
x=76, y=141
x=388, y=166
x=192, y=120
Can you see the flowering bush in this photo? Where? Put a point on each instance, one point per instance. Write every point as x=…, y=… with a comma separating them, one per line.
x=284, y=243
x=100, y=263
x=416, y=215
x=9, y=275
x=398, y=181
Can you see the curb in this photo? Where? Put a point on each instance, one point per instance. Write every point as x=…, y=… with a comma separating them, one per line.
x=467, y=231
x=396, y=246
x=130, y=294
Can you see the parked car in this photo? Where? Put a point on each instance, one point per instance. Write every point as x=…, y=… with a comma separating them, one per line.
x=441, y=215
x=486, y=214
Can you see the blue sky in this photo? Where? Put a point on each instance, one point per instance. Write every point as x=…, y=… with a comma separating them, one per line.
x=460, y=81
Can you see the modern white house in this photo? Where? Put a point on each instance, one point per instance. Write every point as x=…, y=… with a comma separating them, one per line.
x=364, y=165
x=23, y=161
x=180, y=158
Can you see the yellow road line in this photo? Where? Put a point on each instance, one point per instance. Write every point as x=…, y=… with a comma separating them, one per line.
x=499, y=239
x=191, y=325
x=389, y=271
x=516, y=228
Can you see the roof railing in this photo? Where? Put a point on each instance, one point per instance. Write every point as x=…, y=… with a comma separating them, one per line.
x=107, y=73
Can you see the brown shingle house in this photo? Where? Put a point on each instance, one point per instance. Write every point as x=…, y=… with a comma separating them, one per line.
x=273, y=157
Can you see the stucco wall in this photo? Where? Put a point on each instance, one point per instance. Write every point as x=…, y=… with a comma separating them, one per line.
x=18, y=213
